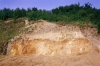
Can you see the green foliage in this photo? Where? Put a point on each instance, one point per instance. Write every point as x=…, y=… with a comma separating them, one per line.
x=71, y=13
x=98, y=27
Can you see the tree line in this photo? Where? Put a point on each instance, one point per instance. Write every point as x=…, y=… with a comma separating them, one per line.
x=68, y=13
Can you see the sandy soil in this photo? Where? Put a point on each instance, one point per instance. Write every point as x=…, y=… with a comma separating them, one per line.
x=49, y=36
x=80, y=60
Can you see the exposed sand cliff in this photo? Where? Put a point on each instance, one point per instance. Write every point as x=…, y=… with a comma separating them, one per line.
x=49, y=44
x=50, y=39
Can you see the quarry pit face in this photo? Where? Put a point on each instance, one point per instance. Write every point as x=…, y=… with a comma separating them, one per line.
x=50, y=39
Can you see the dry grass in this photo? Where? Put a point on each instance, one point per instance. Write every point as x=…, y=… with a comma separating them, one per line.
x=8, y=31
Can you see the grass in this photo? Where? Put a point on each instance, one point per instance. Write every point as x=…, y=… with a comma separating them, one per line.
x=9, y=30
x=79, y=23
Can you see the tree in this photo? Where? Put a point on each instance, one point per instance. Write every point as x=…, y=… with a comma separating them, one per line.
x=6, y=13
x=34, y=9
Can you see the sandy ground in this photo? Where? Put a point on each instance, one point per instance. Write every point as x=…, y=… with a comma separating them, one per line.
x=80, y=60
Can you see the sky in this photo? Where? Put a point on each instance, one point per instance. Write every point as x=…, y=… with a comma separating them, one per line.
x=44, y=4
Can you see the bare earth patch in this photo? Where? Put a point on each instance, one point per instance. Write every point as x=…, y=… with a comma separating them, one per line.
x=80, y=60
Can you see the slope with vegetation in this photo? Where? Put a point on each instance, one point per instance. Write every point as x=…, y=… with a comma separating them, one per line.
x=74, y=13
x=8, y=31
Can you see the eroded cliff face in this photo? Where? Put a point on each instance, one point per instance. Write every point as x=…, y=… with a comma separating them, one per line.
x=52, y=48
x=50, y=39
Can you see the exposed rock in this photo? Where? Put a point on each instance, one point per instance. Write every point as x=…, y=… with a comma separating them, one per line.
x=9, y=20
x=42, y=20
x=4, y=49
x=26, y=22
x=91, y=35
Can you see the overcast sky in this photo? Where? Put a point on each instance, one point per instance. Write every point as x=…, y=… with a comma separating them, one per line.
x=44, y=4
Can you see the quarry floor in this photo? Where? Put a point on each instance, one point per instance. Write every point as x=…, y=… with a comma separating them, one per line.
x=79, y=60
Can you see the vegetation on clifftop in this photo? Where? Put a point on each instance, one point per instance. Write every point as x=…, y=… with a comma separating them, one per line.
x=73, y=12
